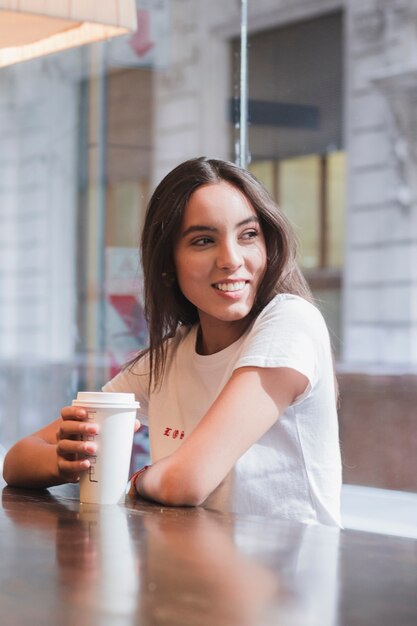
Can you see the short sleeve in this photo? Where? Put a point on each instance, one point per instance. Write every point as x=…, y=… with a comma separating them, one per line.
x=135, y=380
x=287, y=333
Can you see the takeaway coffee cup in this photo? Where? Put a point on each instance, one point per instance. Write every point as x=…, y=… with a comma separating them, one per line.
x=115, y=413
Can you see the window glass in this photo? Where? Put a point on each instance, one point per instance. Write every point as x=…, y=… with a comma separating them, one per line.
x=299, y=184
x=295, y=88
x=311, y=191
x=265, y=171
x=87, y=134
x=336, y=193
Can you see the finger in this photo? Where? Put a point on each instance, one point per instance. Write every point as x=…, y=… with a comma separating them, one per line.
x=69, y=448
x=137, y=425
x=72, y=470
x=73, y=413
x=71, y=429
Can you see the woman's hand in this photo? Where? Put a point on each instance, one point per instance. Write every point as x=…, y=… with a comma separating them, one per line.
x=55, y=454
x=75, y=443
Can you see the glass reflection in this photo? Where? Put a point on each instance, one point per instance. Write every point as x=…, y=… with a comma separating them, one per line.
x=70, y=557
x=205, y=568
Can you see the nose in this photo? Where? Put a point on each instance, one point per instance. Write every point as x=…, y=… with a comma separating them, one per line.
x=229, y=256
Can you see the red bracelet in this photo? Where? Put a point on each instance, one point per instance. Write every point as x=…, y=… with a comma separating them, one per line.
x=133, y=490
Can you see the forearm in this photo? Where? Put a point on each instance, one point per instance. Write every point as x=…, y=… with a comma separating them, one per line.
x=32, y=463
x=190, y=474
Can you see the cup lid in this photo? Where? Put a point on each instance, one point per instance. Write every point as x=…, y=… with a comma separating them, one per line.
x=105, y=398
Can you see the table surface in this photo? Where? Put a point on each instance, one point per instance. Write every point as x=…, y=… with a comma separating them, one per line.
x=62, y=563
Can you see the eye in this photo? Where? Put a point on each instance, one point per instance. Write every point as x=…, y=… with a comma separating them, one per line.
x=252, y=233
x=201, y=241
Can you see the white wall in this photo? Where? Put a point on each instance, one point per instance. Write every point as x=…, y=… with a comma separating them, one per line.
x=380, y=315
x=38, y=209
x=38, y=202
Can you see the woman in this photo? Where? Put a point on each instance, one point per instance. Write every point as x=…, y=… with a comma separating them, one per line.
x=237, y=385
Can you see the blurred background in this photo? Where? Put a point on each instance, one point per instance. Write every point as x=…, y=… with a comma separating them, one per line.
x=86, y=134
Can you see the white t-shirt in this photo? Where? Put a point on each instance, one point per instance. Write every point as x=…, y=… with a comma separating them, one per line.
x=294, y=470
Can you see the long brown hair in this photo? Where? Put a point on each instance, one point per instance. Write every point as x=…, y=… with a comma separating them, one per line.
x=166, y=308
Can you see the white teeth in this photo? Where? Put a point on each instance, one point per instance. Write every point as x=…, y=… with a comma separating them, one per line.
x=230, y=286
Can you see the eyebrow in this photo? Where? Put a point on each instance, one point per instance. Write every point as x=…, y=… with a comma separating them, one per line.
x=198, y=228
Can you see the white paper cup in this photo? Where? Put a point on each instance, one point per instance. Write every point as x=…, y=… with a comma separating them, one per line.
x=105, y=481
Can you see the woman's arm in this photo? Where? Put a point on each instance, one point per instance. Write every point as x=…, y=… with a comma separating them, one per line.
x=245, y=409
x=53, y=455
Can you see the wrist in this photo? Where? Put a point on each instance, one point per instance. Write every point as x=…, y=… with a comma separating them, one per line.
x=134, y=490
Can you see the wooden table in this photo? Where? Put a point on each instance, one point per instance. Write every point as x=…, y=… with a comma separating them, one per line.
x=62, y=563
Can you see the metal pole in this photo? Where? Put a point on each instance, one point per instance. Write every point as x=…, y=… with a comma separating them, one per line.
x=95, y=316
x=243, y=95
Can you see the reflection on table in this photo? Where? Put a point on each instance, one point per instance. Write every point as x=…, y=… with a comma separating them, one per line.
x=139, y=563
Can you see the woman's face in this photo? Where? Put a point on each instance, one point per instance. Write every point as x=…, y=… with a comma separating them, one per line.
x=220, y=254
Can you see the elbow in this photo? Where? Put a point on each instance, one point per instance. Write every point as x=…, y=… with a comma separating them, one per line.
x=11, y=475
x=5, y=475
x=178, y=489
x=8, y=472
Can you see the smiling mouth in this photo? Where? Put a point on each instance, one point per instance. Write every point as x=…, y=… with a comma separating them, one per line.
x=236, y=286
